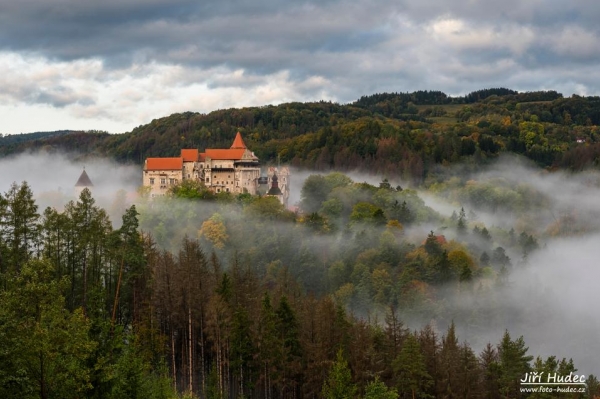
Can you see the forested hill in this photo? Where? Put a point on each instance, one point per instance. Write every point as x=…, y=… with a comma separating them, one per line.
x=403, y=134
x=14, y=142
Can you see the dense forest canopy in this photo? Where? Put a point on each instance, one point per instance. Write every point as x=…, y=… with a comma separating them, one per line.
x=472, y=247
x=234, y=296
x=396, y=134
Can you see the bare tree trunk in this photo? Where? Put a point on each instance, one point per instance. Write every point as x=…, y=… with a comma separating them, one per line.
x=173, y=358
x=43, y=394
x=190, y=354
x=202, y=353
x=219, y=363
x=85, y=284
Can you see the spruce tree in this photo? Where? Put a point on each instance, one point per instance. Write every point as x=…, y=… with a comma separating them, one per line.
x=339, y=382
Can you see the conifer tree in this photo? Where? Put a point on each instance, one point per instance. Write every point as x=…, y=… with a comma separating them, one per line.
x=490, y=365
x=411, y=370
x=514, y=363
x=18, y=227
x=339, y=383
x=291, y=350
x=461, y=224
x=378, y=390
x=268, y=346
x=45, y=348
x=449, y=364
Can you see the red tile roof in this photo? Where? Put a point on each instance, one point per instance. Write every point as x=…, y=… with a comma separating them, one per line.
x=164, y=163
x=225, y=154
x=238, y=142
x=189, y=155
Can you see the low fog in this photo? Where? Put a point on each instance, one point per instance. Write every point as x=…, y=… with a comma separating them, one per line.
x=550, y=295
x=52, y=178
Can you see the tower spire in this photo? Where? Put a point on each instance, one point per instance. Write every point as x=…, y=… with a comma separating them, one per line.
x=238, y=142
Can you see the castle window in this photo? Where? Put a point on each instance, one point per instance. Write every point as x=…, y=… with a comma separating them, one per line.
x=163, y=181
x=152, y=181
x=171, y=181
x=208, y=179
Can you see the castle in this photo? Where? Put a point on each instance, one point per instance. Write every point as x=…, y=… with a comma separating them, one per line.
x=234, y=170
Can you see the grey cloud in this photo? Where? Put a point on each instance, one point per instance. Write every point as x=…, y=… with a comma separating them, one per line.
x=357, y=47
x=60, y=97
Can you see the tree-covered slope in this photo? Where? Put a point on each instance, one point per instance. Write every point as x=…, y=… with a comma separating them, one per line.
x=395, y=134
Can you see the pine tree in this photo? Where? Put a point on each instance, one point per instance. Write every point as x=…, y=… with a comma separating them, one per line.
x=514, y=363
x=45, y=348
x=593, y=387
x=18, y=227
x=378, y=390
x=490, y=365
x=449, y=364
x=268, y=346
x=242, y=349
x=291, y=351
x=461, y=224
x=339, y=382
x=469, y=374
x=411, y=371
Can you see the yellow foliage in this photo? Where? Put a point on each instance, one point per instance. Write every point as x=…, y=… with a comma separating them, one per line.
x=345, y=293
x=382, y=283
x=394, y=225
x=214, y=231
x=460, y=258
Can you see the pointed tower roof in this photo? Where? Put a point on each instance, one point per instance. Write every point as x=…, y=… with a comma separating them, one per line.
x=275, y=190
x=238, y=143
x=84, y=180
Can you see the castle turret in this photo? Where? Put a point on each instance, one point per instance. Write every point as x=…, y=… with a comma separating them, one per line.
x=279, y=178
x=275, y=190
x=83, y=182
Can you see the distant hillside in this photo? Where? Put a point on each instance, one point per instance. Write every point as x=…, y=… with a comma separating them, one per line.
x=413, y=135
x=10, y=141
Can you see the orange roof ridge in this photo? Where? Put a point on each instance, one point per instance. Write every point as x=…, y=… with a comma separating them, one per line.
x=238, y=142
x=232, y=153
x=189, y=155
x=164, y=163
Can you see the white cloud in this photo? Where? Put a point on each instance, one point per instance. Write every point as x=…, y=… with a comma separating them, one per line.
x=115, y=65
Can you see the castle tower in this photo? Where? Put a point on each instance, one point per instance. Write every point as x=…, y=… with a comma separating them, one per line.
x=83, y=182
x=274, y=191
x=280, y=177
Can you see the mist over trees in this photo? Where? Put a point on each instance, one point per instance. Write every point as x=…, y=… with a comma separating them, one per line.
x=461, y=269
x=361, y=295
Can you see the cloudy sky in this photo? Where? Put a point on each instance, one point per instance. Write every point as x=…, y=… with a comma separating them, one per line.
x=115, y=64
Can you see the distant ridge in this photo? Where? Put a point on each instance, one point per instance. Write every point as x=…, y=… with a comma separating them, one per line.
x=413, y=135
x=11, y=139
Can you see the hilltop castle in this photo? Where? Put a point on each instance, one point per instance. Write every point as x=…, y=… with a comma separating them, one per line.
x=234, y=170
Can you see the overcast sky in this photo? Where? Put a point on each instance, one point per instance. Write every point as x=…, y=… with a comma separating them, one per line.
x=115, y=64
